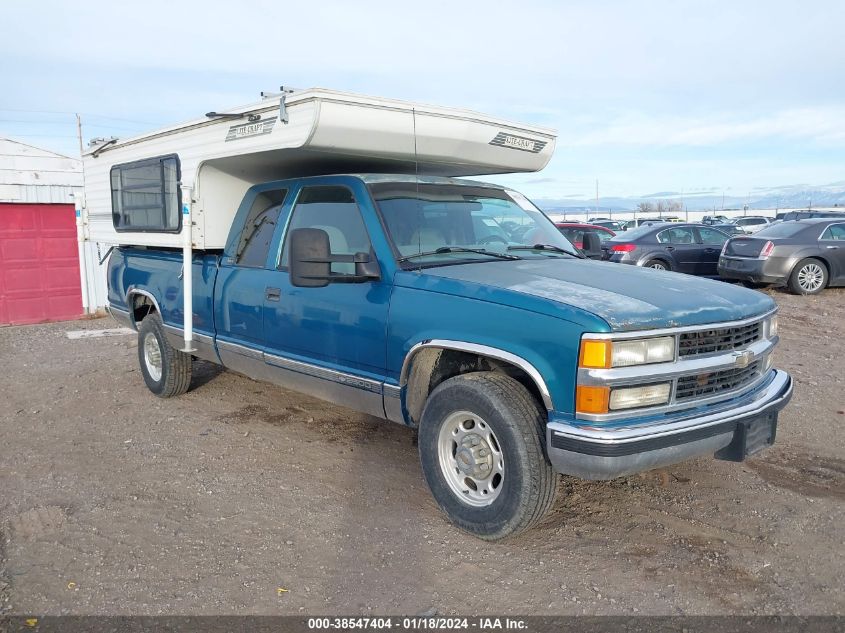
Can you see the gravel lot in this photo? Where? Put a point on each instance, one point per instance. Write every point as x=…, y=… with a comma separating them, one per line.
x=241, y=497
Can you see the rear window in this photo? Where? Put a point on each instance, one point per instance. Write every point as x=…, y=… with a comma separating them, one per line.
x=632, y=234
x=784, y=229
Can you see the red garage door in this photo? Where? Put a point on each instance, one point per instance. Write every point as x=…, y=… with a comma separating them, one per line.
x=39, y=263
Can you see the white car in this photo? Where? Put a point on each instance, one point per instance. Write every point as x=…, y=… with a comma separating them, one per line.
x=752, y=224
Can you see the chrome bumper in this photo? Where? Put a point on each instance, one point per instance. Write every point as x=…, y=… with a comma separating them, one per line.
x=592, y=452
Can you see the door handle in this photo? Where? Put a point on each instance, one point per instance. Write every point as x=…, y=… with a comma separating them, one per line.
x=272, y=294
x=670, y=248
x=831, y=247
x=709, y=250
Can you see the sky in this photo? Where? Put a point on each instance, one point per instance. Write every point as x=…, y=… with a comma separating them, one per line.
x=647, y=96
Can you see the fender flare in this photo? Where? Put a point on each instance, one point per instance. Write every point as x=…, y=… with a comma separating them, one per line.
x=481, y=350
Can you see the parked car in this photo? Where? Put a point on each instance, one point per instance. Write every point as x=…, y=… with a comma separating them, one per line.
x=751, y=224
x=613, y=225
x=575, y=232
x=729, y=228
x=632, y=224
x=806, y=215
x=685, y=248
x=715, y=219
x=805, y=255
x=671, y=218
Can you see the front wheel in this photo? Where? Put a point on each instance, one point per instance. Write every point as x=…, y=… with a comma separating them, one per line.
x=166, y=370
x=481, y=445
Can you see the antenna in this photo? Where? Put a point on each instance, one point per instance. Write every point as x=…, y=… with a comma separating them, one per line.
x=417, y=183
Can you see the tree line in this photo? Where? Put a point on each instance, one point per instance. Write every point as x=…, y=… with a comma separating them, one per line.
x=661, y=207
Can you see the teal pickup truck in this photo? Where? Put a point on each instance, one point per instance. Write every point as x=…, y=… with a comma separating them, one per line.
x=457, y=308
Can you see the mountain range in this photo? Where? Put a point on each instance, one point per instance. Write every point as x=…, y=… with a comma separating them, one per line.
x=785, y=197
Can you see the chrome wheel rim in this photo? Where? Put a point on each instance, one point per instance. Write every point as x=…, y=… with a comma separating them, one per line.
x=152, y=357
x=810, y=277
x=657, y=266
x=471, y=459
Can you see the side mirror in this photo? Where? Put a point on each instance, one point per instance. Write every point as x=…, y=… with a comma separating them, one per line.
x=591, y=245
x=311, y=260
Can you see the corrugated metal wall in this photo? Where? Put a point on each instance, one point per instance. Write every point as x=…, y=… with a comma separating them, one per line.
x=37, y=176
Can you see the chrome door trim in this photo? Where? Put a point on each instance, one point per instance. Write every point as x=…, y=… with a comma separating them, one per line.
x=323, y=373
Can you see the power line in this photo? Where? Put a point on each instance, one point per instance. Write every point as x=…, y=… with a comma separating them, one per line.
x=87, y=114
x=107, y=126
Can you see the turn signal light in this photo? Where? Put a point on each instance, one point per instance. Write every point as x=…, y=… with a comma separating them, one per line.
x=590, y=399
x=623, y=248
x=768, y=247
x=595, y=354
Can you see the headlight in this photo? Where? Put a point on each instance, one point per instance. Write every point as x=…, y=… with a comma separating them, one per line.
x=772, y=327
x=604, y=354
x=647, y=396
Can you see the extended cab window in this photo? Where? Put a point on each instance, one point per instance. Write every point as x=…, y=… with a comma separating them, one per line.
x=259, y=227
x=334, y=210
x=145, y=195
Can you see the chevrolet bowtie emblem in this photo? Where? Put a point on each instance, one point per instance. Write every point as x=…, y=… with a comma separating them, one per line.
x=743, y=359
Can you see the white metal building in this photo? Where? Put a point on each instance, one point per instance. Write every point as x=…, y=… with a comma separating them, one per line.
x=44, y=273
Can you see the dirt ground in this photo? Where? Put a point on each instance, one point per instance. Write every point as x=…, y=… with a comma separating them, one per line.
x=241, y=497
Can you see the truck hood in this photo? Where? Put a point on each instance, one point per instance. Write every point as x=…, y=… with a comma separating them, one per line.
x=626, y=297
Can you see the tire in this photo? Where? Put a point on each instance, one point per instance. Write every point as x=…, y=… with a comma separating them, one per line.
x=166, y=370
x=489, y=404
x=809, y=277
x=657, y=264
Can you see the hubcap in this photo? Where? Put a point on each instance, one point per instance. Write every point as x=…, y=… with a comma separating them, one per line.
x=657, y=266
x=810, y=277
x=471, y=459
x=152, y=357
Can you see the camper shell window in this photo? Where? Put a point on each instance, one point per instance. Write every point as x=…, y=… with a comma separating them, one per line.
x=146, y=196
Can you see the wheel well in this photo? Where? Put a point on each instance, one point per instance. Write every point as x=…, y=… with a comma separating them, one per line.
x=432, y=366
x=818, y=258
x=142, y=306
x=657, y=258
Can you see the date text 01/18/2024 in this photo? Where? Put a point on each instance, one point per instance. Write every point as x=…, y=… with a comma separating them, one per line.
x=417, y=623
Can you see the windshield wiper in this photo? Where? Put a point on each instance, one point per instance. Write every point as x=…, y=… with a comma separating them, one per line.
x=458, y=249
x=545, y=247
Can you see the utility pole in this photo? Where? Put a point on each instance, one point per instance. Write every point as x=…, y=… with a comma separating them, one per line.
x=597, y=197
x=79, y=133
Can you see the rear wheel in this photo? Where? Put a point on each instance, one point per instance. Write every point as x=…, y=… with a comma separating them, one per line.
x=166, y=370
x=657, y=264
x=481, y=444
x=809, y=277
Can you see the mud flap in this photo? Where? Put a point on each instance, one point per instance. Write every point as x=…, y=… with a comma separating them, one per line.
x=751, y=436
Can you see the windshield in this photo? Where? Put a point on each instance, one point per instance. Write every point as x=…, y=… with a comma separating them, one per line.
x=423, y=218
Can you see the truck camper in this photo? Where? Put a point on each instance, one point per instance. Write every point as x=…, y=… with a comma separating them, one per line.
x=333, y=244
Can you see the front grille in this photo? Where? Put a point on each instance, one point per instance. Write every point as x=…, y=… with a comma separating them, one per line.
x=716, y=382
x=722, y=339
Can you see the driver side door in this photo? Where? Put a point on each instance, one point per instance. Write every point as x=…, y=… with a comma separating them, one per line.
x=329, y=341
